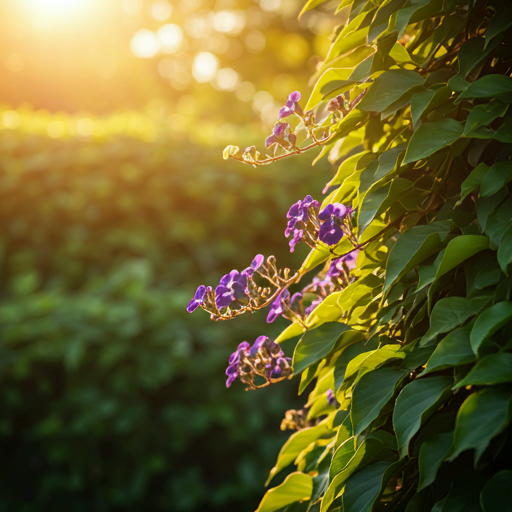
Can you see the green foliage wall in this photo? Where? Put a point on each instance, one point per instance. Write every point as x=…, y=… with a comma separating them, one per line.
x=410, y=351
x=109, y=398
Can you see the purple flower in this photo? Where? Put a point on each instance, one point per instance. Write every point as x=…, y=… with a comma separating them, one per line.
x=198, y=299
x=337, y=265
x=298, y=213
x=233, y=286
x=332, y=215
x=313, y=305
x=281, y=135
x=235, y=359
x=292, y=106
x=298, y=235
x=331, y=398
x=260, y=340
x=255, y=265
x=277, y=307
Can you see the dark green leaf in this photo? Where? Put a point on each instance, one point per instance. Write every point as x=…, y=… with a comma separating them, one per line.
x=490, y=86
x=492, y=369
x=364, y=486
x=415, y=404
x=489, y=322
x=388, y=88
x=505, y=250
x=496, y=496
x=472, y=182
x=380, y=200
x=413, y=247
x=482, y=416
x=432, y=453
x=454, y=349
x=486, y=205
x=496, y=178
x=451, y=312
x=431, y=137
x=370, y=395
x=422, y=103
x=472, y=52
x=460, y=249
x=316, y=344
x=483, y=115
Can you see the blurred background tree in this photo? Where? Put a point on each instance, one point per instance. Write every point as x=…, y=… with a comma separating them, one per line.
x=114, y=200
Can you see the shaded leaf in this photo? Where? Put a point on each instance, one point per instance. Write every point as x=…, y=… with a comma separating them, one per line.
x=431, y=137
x=415, y=404
x=413, y=247
x=492, y=369
x=489, y=322
x=432, y=453
x=316, y=344
x=496, y=496
x=496, y=178
x=505, y=250
x=472, y=182
x=482, y=115
x=451, y=312
x=490, y=86
x=454, y=349
x=370, y=395
x=482, y=416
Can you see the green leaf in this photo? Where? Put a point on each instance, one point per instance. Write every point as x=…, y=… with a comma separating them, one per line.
x=490, y=86
x=296, y=487
x=388, y=88
x=486, y=205
x=451, y=312
x=432, y=453
x=377, y=201
x=489, y=322
x=311, y=4
x=453, y=350
x=370, y=449
x=388, y=161
x=327, y=311
x=460, y=249
x=483, y=115
x=413, y=247
x=415, y=404
x=496, y=496
x=342, y=457
x=316, y=256
x=497, y=25
x=482, y=416
x=368, y=361
x=316, y=344
x=424, y=102
x=330, y=81
x=404, y=15
x=381, y=20
x=295, y=444
x=497, y=220
x=371, y=393
x=431, y=137
x=472, y=52
x=505, y=250
x=492, y=369
x=292, y=331
x=496, y=178
x=472, y=182
x=365, y=485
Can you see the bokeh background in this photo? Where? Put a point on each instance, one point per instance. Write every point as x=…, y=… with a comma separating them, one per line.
x=115, y=204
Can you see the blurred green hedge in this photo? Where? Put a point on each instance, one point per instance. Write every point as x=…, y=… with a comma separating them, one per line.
x=111, y=397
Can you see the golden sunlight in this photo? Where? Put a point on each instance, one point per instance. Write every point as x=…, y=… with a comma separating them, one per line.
x=57, y=6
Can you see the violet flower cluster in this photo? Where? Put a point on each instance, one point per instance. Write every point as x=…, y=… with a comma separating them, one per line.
x=306, y=223
x=298, y=306
x=239, y=292
x=331, y=398
x=265, y=358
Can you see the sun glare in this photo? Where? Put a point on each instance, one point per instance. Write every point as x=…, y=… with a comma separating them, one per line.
x=57, y=7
